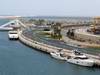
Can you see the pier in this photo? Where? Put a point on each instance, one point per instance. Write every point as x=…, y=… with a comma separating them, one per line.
x=48, y=48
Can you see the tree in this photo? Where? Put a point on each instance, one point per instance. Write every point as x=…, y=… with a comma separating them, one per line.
x=56, y=30
x=72, y=34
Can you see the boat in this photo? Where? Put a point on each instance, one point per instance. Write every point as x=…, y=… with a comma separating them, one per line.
x=5, y=28
x=13, y=35
x=76, y=57
x=80, y=59
x=58, y=55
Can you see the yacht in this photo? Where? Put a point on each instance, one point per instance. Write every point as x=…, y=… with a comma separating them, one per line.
x=12, y=35
x=80, y=59
x=58, y=55
x=76, y=58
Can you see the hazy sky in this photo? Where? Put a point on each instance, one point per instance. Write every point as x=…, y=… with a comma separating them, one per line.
x=50, y=7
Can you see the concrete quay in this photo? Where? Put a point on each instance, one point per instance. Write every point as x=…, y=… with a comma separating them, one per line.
x=37, y=45
x=48, y=48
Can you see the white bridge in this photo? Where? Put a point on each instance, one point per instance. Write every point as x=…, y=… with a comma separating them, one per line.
x=12, y=24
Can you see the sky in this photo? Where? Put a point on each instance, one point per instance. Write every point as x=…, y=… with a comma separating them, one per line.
x=50, y=7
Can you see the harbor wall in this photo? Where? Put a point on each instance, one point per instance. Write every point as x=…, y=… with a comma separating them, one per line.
x=48, y=48
x=37, y=45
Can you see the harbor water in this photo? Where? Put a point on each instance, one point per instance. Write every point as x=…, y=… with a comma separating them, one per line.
x=19, y=59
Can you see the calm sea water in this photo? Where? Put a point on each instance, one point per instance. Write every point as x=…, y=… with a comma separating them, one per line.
x=18, y=59
x=3, y=21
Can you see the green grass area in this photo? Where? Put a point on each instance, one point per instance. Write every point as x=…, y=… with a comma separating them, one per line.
x=44, y=34
x=47, y=35
x=56, y=37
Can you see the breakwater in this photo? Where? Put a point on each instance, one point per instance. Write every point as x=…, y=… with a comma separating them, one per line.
x=48, y=48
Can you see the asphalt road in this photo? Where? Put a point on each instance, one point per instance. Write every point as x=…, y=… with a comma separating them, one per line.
x=34, y=34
